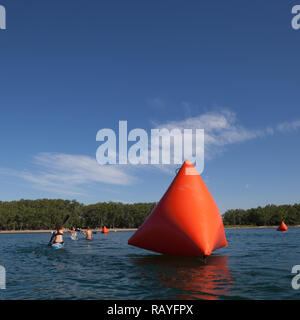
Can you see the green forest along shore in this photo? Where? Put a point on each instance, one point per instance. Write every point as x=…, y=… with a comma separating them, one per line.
x=45, y=214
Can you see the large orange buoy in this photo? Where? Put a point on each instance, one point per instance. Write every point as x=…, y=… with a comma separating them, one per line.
x=186, y=221
x=104, y=230
x=282, y=227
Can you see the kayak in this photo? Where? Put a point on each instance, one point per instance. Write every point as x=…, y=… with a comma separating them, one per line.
x=57, y=245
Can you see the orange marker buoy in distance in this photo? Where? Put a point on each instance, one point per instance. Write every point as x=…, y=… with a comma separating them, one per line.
x=186, y=221
x=104, y=230
x=282, y=227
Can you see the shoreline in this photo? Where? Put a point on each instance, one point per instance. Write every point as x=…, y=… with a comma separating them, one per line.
x=50, y=231
x=134, y=229
x=258, y=227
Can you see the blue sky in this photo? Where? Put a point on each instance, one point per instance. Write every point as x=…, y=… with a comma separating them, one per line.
x=71, y=68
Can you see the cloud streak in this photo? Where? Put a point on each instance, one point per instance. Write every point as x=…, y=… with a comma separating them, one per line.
x=288, y=126
x=221, y=129
x=70, y=174
x=156, y=103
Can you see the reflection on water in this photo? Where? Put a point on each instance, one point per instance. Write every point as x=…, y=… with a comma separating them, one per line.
x=192, y=278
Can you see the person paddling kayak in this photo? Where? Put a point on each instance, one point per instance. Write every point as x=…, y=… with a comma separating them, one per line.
x=73, y=233
x=88, y=233
x=57, y=236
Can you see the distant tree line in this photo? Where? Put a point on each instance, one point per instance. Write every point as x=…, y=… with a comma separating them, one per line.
x=45, y=214
x=270, y=215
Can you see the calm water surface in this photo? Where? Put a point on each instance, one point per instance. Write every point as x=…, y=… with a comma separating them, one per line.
x=256, y=265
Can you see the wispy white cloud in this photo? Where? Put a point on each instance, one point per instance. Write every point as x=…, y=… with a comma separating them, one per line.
x=221, y=129
x=289, y=126
x=156, y=103
x=70, y=174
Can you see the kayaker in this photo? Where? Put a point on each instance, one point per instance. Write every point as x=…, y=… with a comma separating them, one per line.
x=88, y=234
x=57, y=235
x=72, y=231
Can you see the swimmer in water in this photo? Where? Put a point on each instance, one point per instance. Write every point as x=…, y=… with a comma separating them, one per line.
x=73, y=233
x=57, y=236
x=88, y=234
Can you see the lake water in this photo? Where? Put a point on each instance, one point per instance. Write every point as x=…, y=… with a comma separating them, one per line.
x=256, y=265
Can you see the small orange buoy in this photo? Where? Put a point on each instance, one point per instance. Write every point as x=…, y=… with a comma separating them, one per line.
x=104, y=230
x=186, y=221
x=282, y=227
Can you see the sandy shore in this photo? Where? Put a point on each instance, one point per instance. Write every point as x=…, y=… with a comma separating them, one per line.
x=257, y=227
x=133, y=229
x=50, y=231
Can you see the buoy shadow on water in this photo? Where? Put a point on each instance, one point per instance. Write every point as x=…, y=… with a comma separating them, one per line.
x=192, y=276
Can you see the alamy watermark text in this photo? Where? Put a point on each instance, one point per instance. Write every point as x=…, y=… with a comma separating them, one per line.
x=2, y=278
x=164, y=147
x=2, y=18
x=296, y=18
x=296, y=278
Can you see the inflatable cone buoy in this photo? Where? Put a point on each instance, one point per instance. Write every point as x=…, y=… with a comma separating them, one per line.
x=186, y=221
x=104, y=230
x=282, y=227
